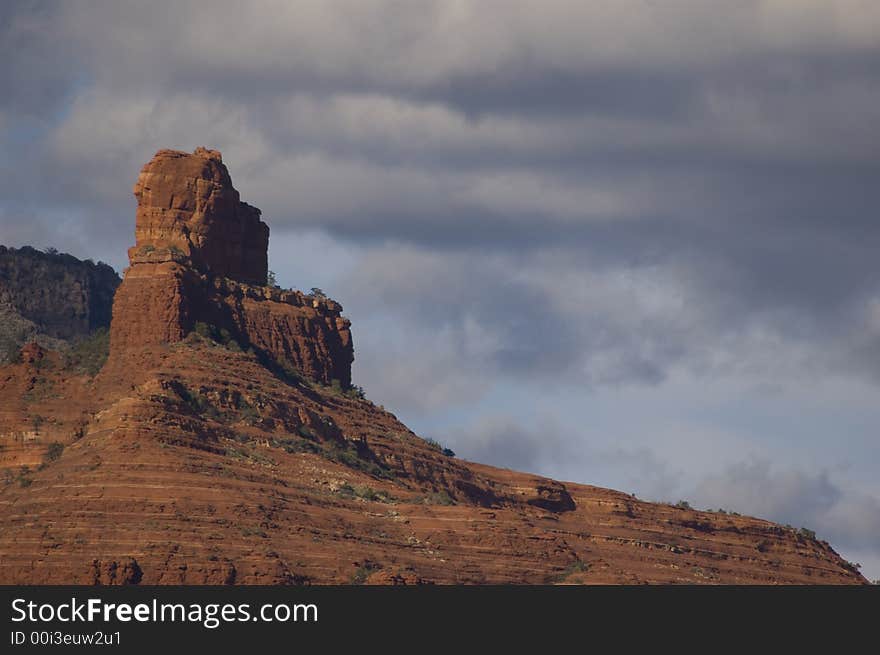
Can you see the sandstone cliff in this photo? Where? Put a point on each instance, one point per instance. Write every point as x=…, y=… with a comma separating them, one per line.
x=201, y=257
x=187, y=207
x=199, y=455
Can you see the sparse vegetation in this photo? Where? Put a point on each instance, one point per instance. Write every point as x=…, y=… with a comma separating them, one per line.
x=349, y=456
x=436, y=445
x=364, y=571
x=254, y=532
x=54, y=451
x=575, y=567
x=347, y=453
x=198, y=402
x=43, y=388
x=355, y=392
x=364, y=492
x=806, y=533
x=246, y=412
x=282, y=369
x=683, y=504
x=88, y=354
x=251, y=456
x=294, y=444
x=12, y=337
x=24, y=479
x=436, y=498
x=852, y=566
x=222, y=336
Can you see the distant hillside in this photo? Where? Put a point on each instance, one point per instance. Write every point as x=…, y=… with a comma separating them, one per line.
x=51, y=297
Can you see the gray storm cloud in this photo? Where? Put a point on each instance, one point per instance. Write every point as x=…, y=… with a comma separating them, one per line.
x=531, y=196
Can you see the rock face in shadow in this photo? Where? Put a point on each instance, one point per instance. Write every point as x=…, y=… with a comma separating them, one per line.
x=201, y=257
x=49, y=296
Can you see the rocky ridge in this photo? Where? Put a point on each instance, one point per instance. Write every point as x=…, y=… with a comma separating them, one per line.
x=51, y=297
x=215, y=447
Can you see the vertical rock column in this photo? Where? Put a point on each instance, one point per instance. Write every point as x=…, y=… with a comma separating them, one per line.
x=201, y=254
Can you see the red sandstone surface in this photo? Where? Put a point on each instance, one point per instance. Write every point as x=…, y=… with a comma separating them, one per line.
x=201, y=256
x=231, y=455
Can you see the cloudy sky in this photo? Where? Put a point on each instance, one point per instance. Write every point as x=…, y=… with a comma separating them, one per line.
x=629, y=243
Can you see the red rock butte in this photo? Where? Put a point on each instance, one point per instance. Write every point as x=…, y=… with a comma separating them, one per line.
x=201, y=257
x=189, y=211
x=214, y=446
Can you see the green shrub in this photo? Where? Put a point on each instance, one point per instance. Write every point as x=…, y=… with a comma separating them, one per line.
x=349, y=456
x=364, y=492
x=806, y=533
x=198, y=403
x=53, y=452
x=364, y=571
x=294, y=444
x=852, y=566
x=247, y=412
x=210, y=332
x=436, y=445
x=88, y=354
x=355, y=392
x=575, y=567
x=437, y=498
x=203, y=330
x=683, y=504
x=24, y=479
